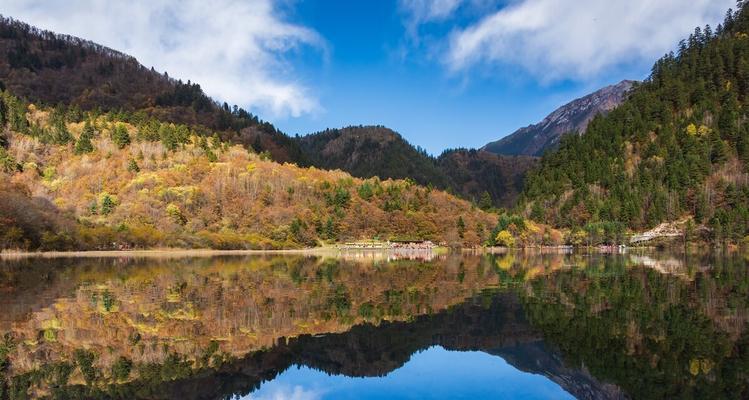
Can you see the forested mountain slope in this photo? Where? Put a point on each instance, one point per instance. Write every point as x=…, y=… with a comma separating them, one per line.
x=49, y=68
x=367, y=151
x=487, y=178
x=72, y=180
x=678, y=146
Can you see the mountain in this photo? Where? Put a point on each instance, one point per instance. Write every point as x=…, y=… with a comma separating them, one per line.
x=534, y=140
x=86, y=180
x=677, y=147
x=334, y=315
x=474, y=174
x=49, y=68
x=367, y=151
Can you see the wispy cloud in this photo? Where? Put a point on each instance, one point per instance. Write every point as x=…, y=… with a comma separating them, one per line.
x=421, y=11
x=286, y=392
x=236, y=50
x=577, y=39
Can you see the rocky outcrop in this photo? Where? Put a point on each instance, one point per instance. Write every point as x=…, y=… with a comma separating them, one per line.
x=534, y=140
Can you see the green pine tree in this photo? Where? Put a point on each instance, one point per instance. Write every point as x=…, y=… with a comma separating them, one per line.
x=461, y=225
x=83, y=144
x=132, y=166
x=120, y=137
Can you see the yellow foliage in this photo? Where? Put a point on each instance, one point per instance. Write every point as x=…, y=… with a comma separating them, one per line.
x=179, y=168
x=505, y=263
x=53, y=323
x=578, y=238
x=50, y=335
x=177, y=192
x=505, y=238
x=706, y=365
x=241, y=201
x=691, y=129
x=694, y=366
x=145, y=179
x=173, y=297
x=30, y=166
x=700, y=365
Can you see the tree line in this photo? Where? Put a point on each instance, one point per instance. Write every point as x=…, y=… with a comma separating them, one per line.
x=679, y=145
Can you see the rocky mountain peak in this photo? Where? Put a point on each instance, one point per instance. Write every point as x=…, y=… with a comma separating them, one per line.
x=574, y=116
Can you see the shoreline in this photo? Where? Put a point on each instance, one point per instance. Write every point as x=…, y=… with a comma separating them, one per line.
x=328, y=250
x=168, y=252
x=310, y=251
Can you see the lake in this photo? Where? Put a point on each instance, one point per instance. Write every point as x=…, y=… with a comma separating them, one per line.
x=373, y=326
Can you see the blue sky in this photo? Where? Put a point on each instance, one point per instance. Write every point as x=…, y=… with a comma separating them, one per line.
x=434, y=373
x=443, y=73
x=374, y=75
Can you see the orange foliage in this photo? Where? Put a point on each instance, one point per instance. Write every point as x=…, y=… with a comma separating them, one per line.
x=145, y=195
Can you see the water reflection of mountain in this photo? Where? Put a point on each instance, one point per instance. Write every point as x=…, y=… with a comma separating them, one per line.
x=493, y=323
x=207, y=328
x=164, y=319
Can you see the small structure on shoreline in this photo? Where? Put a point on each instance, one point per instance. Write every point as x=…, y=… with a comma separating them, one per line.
x=363, y=245
x=423, y=250
x=388, y=245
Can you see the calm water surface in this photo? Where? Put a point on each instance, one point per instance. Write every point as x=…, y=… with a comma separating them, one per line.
x=527, y=326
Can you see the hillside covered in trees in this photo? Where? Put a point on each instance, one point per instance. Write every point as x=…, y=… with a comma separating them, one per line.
x=679, y=146
x=368, y=151
x=49, y=68
x=82, y=180
x=487, y=179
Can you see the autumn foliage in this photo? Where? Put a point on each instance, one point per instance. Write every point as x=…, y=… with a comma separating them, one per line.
x=97, y=182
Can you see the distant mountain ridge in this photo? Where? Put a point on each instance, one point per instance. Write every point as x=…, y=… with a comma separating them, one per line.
x=475, y=173
x=367, y=151
x=534, y=140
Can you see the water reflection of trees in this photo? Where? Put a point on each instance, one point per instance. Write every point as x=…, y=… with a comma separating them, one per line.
x=170, y=311
x=659, y=326
x=656, y=335
x=491, y=322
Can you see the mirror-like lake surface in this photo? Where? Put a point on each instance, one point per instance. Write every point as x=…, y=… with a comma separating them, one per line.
x=530, y=326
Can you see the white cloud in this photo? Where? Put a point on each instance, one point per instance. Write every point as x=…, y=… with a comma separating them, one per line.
x=286, y=392
x=577, y=39
x=234, y=49
x=421, y=11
